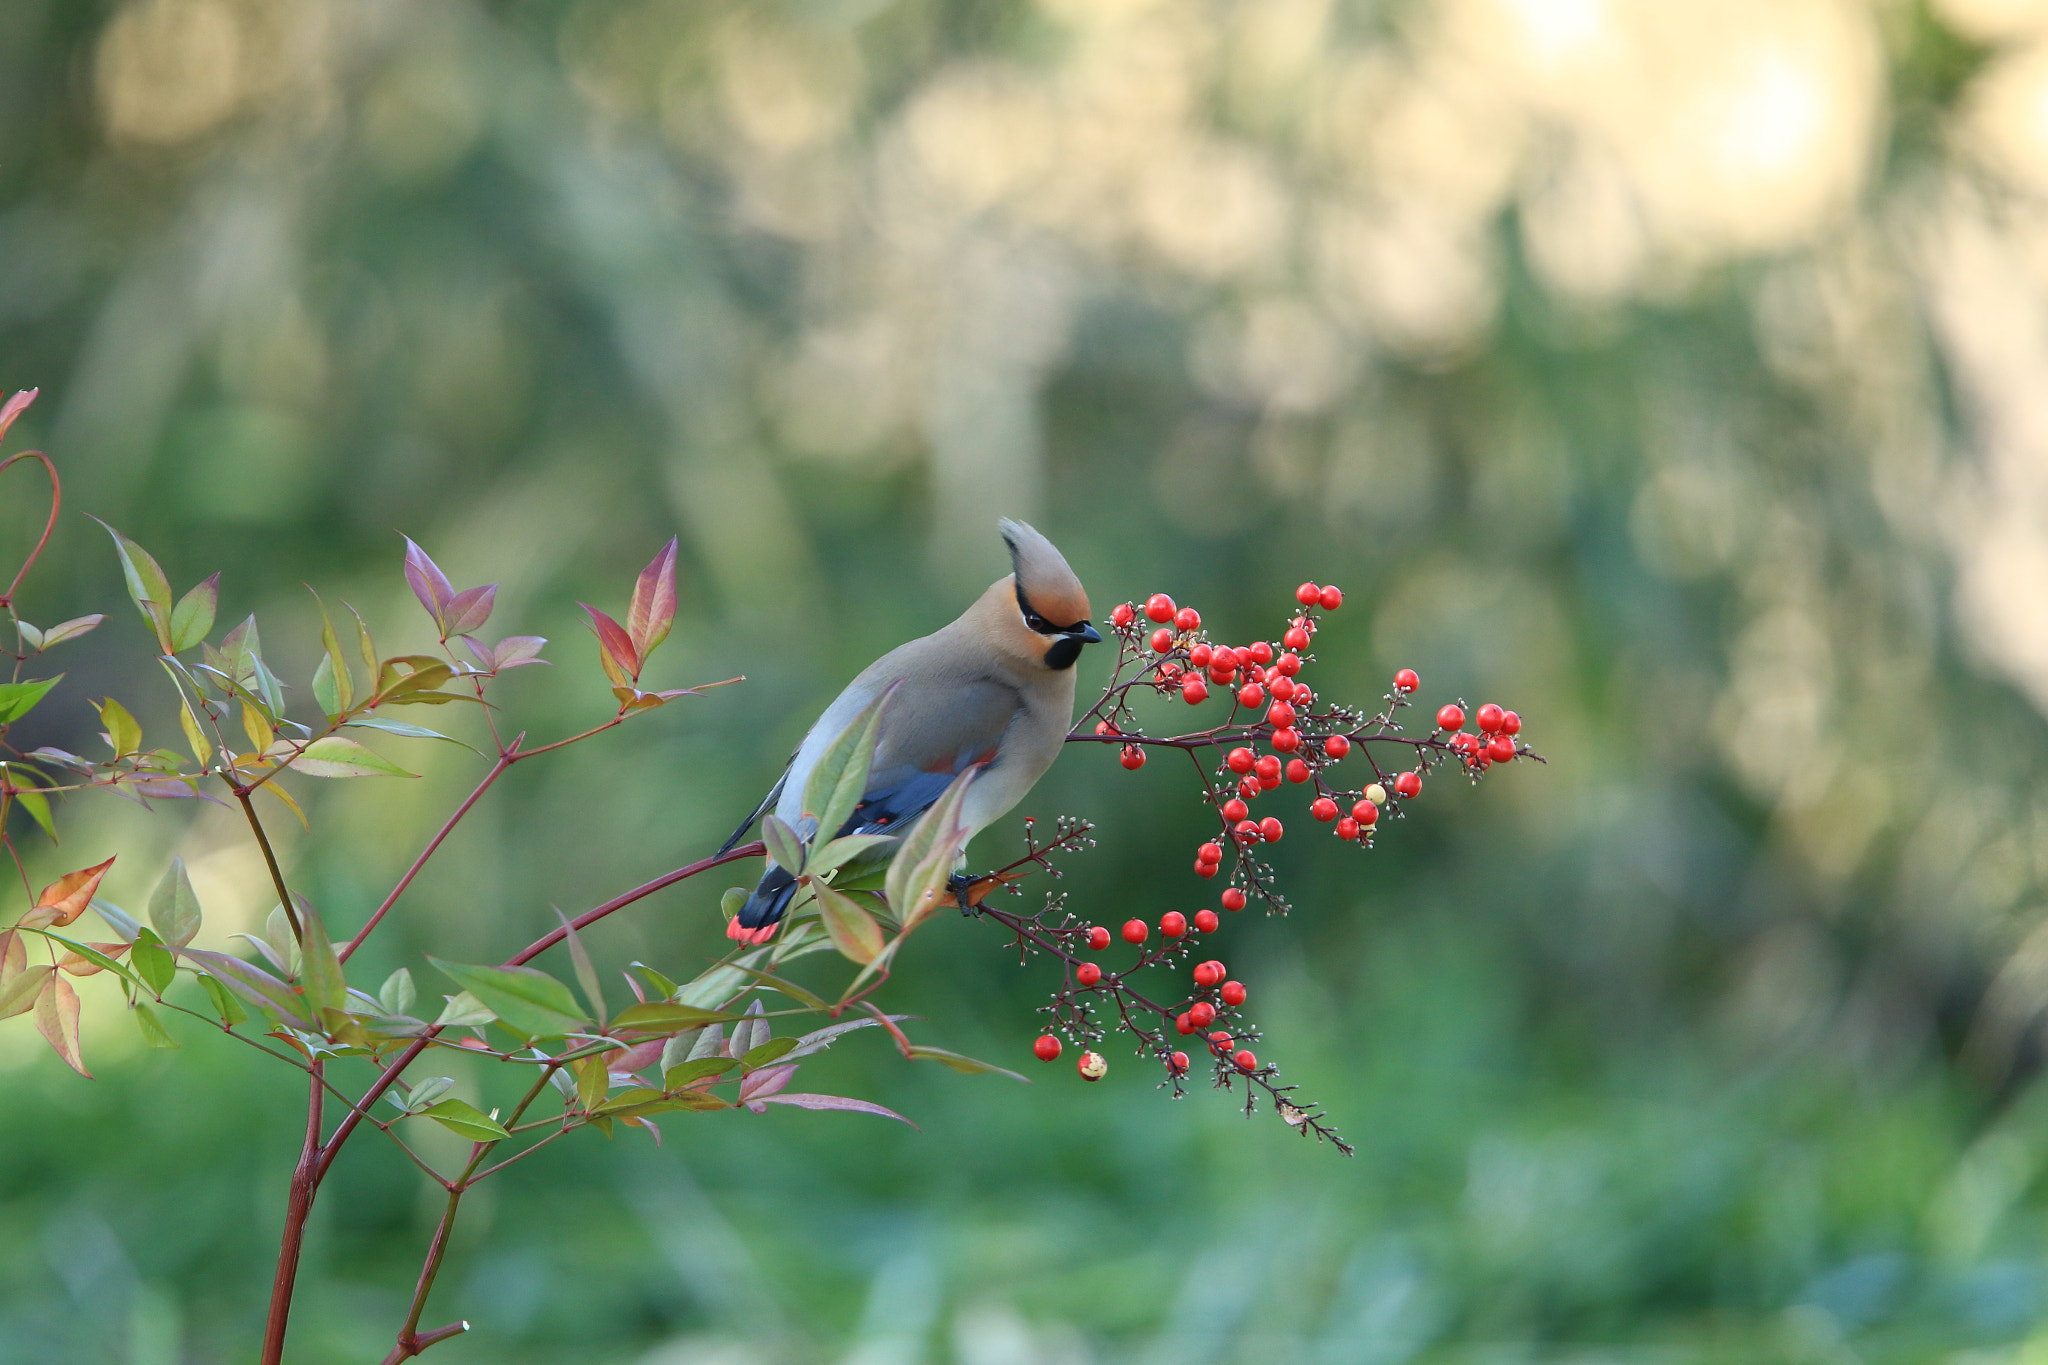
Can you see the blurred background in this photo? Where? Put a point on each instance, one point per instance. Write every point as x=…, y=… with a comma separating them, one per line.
x=1675, y=374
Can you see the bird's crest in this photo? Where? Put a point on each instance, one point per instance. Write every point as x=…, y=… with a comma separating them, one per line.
x=1043, y=577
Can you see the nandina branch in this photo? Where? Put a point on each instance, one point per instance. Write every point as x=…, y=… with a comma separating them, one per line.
x=640, y=892
x=505, y=761
x=56, y=503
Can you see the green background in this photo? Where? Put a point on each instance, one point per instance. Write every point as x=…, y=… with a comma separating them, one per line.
x=1713, y=1040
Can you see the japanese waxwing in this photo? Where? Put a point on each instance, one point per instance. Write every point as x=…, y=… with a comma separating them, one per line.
x=995, y=688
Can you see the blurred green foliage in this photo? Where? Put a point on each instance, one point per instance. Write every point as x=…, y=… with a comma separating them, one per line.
x=1683, y=399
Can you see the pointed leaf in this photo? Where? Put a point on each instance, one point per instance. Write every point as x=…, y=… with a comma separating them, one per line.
x=397, y=995
x=759, y=1085
x=202, y=749
x=38, y=807
x=224, y=1003
x=340, y=685
x=326, y=986
x=676, y=1077
x=325, y=692
x=123, y=731
x=514, y=650
x=663, y=1016
x=469, y=609
x=465, y=1120
x=57, y=1021
x=614, y=645
x=65, y=899
x=254, y=986
x=399, y=727
x=147, y=586
x=843, y=850
x=774, y=1050
x=14, y=407
x=174, y=908
x=366, y=647
x=653, y=608
x=464, y=1010
x=429, y=584
x=70, y=630
x=783, y=845
x=966, y=1066
x=120, y=921
x=854, y=931
x=841, y=774
x=335, y=756
x=525, y=1000
x=153, y=1031
x=586, y=974
x=839, y=1102
x=192, y=618
x=18, y=992
x=18, y=698
x=153, y=962
x=920, y=869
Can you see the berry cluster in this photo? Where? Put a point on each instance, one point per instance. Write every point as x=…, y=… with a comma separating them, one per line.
x=1275, y=733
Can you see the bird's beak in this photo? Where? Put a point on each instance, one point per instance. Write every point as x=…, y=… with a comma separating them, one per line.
x=1085, y=633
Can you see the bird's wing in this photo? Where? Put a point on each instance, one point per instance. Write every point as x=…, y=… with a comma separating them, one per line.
x=767, y=804
x=932, y=732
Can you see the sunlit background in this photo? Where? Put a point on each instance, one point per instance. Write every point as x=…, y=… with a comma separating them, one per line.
x=1675, y=373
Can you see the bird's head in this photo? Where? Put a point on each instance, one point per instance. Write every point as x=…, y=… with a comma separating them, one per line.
x=1051, y=603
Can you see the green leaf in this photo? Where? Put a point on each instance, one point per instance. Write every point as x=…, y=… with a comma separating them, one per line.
x=18, y=993
x=38, y=807
x=773, y=1050
x=147, y=585
x=967, y=1066
x=663, y=987
x=124, y=732
x=153, y=1031
x=338, y=757
x=324, y=691
x=922, y=865
x=224, y=1004
x=664, y=1016
x=192, y=618
x=254, y=986
x=526, y=1000
x=405, y=728
x=397, y=995
x=676, y=1077
x=465, y=1120
x=464, y=1010
x=19, y=698
x=174, y=907
x=783, y=844
x=843, y=849
x=854, y=931
x=153, y=962
x=341, y=688
x=586, y=974
x=70, y=630
x=94, y=956
x=729, y=904
x=326, y=987
x=841, y=773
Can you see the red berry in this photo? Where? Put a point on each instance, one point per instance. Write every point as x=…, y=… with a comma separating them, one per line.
x=1194, y=691
x=1287, y=741
x=1297, y=771
x=1098, y=938
x=1245, y=831
x=1232, y=993
x=1489, y=717
x=1210, y=973
x=1249, y=788
x=1347, y=828
x=1510, y=724
x=1303, y=698
x=1088, y=973
x=1047, y=1048
x=1103, y=727
x=1500, y=748
x=1159, y=607
x=1187, y=618
x=1282, y=688
x=1464, y=743
x=1288, y=664
x=1221, y=676
x=1162, y=640
x=1450, y=717
x=1323, y=810
x=1280, y=715
x=1407, y=680
x=1135, y=930
x=1173, y=924
x=1365, y=813
x=1092, y=1066
x=1179, y=1060
x=1132, y=757
x=1295, y=638
x=1251, y=694
x=1209, y=853
x=1205, y=870
x=1184, y=1024
x=1332, y=599
x=1224, y=657
x=1252, y=672
x=1123, y=615
x=1336, y=746
x=1219, y=1042
x=1206, y=921
x=1268, y=768
x=1408, y=784
x=1267, y=784
x=1199, y=656
x=1235, y=810
x=1246, y=1061
x=1261, y=652
x=1240, y=760
x=1233, y=899
x=1201, y=1014
x=1270, y=827
x=1308, y=594
x=1169, y=671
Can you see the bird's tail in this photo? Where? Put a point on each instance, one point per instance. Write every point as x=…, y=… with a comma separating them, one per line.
x=771, y=897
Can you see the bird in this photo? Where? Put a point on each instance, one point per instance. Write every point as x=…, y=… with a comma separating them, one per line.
x=994, y=690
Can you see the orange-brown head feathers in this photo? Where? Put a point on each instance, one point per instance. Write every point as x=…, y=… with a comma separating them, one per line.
x=1045, y=585
x=1040, y=612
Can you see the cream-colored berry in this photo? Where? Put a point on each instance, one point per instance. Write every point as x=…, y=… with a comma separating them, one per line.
x=1092, y=1066
x=1376, y=794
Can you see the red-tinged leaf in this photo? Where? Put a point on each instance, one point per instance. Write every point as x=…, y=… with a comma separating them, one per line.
x=469, y=609
x=654, y=602
x=841, y=1102
x=429, y=584
x=514, y=650
x=615, y=645
x=14, y=407
x=481, y=652
x=71, y=630
x=57, y=1021
x=78, y=964
x=169, y=789
x=65, y=899
x=147, y=585
x=18, y=992
x=769, y=1080
x=255, y=986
